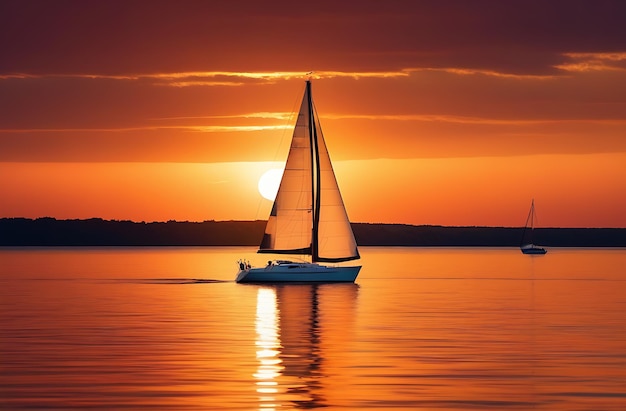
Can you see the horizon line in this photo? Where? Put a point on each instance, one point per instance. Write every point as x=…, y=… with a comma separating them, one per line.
x=264, y=220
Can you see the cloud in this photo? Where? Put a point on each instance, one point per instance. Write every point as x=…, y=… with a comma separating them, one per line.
x=215, y=78
x=259, y=115
x=575, y=62
x=284, y=116
x=521, y=37
x=194, y=128
x=443, y=118
x=585, y=62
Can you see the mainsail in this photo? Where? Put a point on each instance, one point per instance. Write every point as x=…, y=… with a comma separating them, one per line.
x=529, y=227
x=308, y=215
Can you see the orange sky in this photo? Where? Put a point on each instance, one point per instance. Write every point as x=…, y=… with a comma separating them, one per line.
x=435, y=112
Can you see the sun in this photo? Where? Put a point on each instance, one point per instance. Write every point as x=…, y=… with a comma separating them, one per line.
x=269, y=182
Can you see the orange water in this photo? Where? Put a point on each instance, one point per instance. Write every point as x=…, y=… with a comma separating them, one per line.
x=423, y=328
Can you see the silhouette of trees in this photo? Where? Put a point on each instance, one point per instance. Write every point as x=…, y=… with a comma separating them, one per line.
x=98, y=232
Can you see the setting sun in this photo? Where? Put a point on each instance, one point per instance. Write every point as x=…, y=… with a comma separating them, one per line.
x=269, y=182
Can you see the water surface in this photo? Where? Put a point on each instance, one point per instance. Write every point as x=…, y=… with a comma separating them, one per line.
x=423, y=328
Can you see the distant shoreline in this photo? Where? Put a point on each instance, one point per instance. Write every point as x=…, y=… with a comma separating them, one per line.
x=98, y=232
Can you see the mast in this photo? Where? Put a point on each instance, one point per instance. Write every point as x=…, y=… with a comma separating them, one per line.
x=315, y=176
x=531, y=215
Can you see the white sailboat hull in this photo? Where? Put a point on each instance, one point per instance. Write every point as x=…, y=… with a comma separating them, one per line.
x=298, y=273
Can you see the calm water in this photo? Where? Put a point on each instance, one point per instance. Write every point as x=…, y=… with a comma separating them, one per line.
x=423, y=329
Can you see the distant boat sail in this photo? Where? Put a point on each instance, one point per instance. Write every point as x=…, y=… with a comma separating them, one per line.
x=308, y=216
x=527, y=246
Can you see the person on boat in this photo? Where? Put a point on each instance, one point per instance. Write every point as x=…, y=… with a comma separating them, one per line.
x=242, y=266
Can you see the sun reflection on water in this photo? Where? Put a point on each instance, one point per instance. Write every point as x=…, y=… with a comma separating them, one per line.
x=268, y=348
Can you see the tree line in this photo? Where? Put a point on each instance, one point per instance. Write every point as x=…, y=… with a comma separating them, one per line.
x=98, y=232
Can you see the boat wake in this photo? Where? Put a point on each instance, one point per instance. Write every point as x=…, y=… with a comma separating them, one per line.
x=171, y=280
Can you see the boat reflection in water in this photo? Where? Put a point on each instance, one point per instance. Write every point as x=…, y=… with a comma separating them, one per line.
x=289, y=344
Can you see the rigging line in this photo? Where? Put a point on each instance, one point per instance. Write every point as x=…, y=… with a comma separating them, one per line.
x=293, y=113
x=535, y=218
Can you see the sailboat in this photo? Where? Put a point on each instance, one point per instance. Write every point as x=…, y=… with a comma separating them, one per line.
x=527, y=246
x=308, y=217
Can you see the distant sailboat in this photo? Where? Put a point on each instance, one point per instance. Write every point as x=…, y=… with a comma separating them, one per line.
x=308, y=216
x=527, y=246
